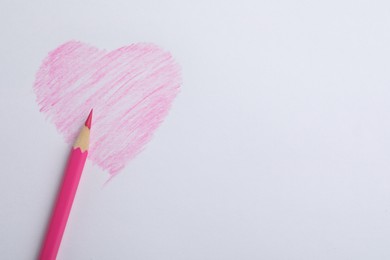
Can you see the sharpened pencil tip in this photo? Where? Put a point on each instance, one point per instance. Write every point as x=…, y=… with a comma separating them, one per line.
x=88, y=122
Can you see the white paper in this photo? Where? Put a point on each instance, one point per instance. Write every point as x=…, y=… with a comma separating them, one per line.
x=277, y=146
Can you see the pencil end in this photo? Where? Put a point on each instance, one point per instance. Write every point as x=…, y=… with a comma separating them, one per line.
x=88, y=122
x=82, y=140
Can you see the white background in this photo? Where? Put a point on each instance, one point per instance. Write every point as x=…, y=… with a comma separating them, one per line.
x=278, y=146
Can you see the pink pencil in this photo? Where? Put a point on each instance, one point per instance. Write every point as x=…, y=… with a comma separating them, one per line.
x=66, y=194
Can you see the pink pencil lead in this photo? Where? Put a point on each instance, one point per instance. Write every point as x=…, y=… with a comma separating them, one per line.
x=88, y=122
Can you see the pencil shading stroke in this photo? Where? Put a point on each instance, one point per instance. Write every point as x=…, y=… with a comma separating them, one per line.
x=131, y=90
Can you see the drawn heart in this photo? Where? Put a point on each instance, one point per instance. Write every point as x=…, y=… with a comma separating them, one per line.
x=130, y=89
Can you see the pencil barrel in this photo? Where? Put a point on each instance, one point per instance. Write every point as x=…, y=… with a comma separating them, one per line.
x=63, y=204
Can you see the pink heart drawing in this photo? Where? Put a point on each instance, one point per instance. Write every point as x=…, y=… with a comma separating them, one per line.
x=130, y=89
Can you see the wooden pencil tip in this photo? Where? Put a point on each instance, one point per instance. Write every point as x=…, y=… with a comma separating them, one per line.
x=88, y=122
